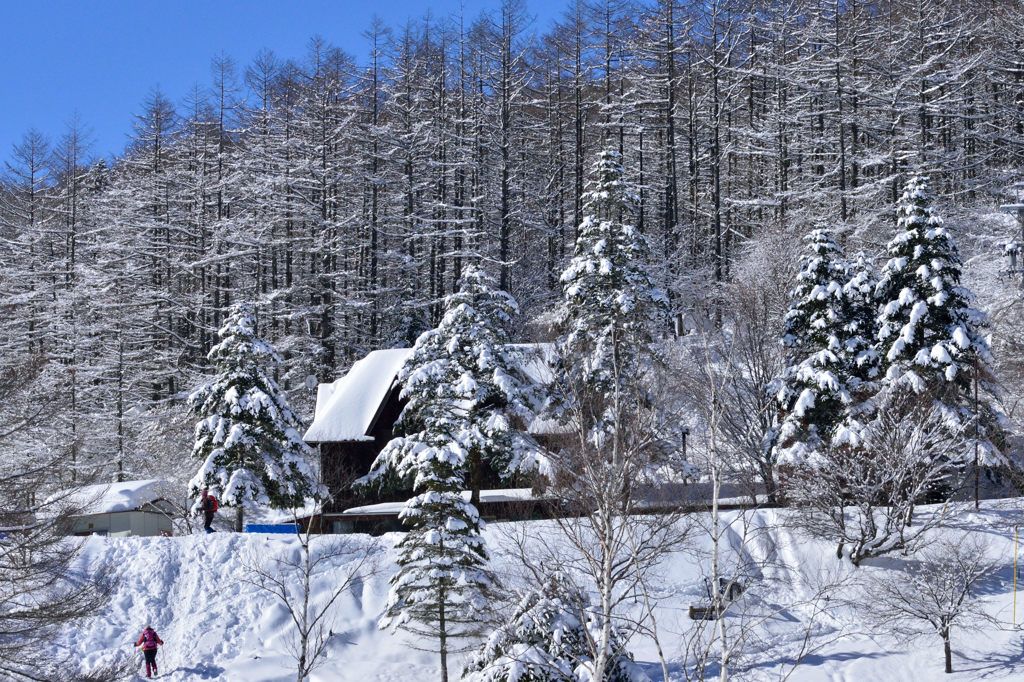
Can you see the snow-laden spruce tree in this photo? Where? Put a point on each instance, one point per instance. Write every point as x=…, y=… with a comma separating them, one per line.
x=462, y=384
x=863, y=367
x=612, y=309
x=829, y=334
x=611, y=317
x=813, y=391
x=906, y=434
x=492, y=387
x=929, y=333
x=247, y=438
x=465, y=373
x=547, y=640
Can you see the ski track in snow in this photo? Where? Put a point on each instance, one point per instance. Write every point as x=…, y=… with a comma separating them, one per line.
x=217, y=627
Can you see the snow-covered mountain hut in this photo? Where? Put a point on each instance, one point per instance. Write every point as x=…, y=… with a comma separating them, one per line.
x=354, y=417
x=130, y=508
x=352, y=422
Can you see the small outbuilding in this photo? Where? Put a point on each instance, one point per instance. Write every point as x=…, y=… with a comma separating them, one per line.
x=129, y=508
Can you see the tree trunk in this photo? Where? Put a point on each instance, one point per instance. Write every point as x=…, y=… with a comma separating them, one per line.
x=239, y=512
x=771, y=489
x=474, y=478
x=442, y=630
x=948, y=651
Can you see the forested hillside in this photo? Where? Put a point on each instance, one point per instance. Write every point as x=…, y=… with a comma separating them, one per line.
x=345, y=194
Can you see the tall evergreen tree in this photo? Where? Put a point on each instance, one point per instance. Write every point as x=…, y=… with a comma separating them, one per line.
x=607, y=353
x=813, y=391
x=461, y=381
x=612, y=310
x=828, y=333
x=476, y=386
x=929, y=333
x=495, y=389
x=247, y=437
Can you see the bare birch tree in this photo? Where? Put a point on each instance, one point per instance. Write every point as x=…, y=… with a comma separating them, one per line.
x=308, y=583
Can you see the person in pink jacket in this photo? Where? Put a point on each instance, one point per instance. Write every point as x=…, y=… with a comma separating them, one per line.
x=149, y=641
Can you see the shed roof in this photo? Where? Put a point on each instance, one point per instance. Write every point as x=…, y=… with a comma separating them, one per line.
x=506, y=495
x=106, y=498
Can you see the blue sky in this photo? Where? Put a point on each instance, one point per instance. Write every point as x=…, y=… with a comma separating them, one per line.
x=101, y=58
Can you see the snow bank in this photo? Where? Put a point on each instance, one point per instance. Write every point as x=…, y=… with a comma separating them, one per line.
x=218, y=627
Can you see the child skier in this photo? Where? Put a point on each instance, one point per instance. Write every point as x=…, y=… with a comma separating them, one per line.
x=149, y=641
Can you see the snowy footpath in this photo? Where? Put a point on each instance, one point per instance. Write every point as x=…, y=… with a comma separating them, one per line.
x=216, y=626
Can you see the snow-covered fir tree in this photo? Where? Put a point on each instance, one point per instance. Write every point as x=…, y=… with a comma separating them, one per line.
x=462, y=382
x=929, y=333
x=548, y=640
x=492, y=385
x=247, y=438
x=612, y=308
x=442, y=584
x=607, y=354
x=813, y=392
x=829, y=335
x=863, y=368
x=466, y=374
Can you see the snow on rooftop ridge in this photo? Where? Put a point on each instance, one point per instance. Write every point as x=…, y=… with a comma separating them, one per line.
x=351, y=402
x=323, y=396
x=106, y=498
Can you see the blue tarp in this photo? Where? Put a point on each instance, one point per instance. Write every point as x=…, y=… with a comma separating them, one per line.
x=270, y=528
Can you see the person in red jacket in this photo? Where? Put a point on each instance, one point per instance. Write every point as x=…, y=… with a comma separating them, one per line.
x=149, y=641
x=208, y=506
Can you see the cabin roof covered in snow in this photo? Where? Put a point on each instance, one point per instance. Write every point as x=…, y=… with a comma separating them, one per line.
x=106, y=498
x=347, y=408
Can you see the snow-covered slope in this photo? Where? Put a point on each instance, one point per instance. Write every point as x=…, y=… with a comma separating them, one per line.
x=218, y=627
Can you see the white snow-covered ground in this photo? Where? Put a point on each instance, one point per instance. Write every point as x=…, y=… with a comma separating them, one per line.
x=217, y=627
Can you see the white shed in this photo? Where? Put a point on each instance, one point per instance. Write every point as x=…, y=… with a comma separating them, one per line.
x=122, y=509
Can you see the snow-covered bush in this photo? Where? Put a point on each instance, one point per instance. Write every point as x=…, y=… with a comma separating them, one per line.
x=863, y=498
x=938, y=590
x=547, y=640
